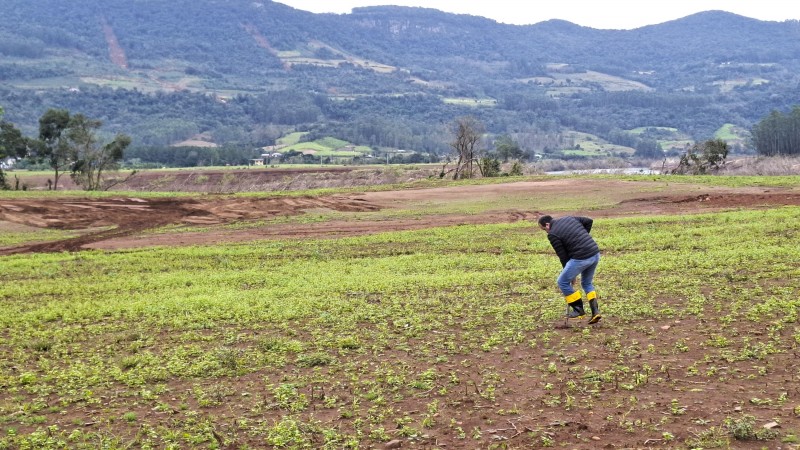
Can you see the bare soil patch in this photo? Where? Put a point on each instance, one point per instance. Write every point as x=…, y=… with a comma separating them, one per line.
x=119, y=222
x=218, y=181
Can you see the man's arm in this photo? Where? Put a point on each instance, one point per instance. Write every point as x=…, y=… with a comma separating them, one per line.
x=558, y=246
x=586, y=222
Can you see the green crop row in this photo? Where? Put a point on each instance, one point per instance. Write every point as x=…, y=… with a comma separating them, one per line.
x=348, y=343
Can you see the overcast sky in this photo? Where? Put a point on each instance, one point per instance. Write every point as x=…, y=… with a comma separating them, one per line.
x=604, y=14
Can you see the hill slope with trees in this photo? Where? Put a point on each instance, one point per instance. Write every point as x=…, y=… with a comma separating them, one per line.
x=248, y=72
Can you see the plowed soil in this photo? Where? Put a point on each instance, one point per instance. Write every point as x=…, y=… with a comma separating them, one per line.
x=119, y=222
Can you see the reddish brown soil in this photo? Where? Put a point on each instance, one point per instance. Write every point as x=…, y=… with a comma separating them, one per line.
x=238, y=180
x=115, y=51
x=256, y=179
x=123, y=219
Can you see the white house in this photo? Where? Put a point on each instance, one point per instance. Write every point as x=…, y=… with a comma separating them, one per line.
x=7, y=163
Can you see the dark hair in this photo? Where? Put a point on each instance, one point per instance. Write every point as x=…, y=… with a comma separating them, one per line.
x=544, y=220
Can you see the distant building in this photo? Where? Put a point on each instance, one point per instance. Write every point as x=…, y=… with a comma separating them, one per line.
x=265, y=159
x=7, y=163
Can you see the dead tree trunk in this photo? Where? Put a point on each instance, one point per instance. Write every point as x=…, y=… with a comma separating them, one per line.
x=467, y=132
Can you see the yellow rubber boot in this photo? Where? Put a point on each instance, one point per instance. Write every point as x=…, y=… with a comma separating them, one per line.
x=592, y=297
x=575, y=310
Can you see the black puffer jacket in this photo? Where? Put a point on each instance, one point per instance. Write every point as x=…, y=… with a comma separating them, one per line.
x=570, y=238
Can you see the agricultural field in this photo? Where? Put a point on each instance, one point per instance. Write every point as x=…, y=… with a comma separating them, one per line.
x=422, y=315
x=564, y=81
x=590, y=145
x=321, y=147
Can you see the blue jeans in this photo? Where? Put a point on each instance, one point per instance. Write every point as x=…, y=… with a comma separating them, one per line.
x=583, y=267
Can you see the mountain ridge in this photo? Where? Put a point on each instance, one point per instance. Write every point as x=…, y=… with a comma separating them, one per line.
x=706, y=65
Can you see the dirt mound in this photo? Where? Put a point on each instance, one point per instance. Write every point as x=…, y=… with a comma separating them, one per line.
x=132, y=215
x=233, y=180
x=254, y=179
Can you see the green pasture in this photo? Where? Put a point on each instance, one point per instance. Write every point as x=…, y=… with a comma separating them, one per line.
x=302, y=146
x=726, y=132
x=325, y=147
x=445, y=335
x=592, y=145
x=332, y=142
x=730, y=132
x=10, y=238
x=789, y=181
x=25, y=176
x=292, y=138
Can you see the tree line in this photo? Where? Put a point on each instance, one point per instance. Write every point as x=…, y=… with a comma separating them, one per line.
x=411, y=121
x=778, y=134
x=66, y=143
x=235, y=47
x=228, y=154
x=71, y=144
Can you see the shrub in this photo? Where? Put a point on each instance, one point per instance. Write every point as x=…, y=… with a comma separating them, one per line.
x=704, y=158
x=490, y=167
x=743, y=429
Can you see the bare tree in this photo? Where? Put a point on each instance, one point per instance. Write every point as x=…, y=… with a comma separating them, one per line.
x=93, y=160
x=467, y=132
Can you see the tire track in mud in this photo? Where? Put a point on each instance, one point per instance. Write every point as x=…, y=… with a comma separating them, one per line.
x=129, y=216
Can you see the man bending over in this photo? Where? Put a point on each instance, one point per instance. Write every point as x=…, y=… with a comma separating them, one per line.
x=579, y=255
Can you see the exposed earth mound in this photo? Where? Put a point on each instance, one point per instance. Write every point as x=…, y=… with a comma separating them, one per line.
x=127, y=216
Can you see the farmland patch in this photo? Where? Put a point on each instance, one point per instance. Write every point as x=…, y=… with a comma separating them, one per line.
x=444, y=336
x=123, y=221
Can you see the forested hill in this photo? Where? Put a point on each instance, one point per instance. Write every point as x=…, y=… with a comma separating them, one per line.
x=138, y=63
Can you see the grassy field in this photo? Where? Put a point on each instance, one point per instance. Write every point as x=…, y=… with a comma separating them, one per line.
x=446, y=336
x=322, y=147
x=563, y=83
x=732, y=134
x=591, y=145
